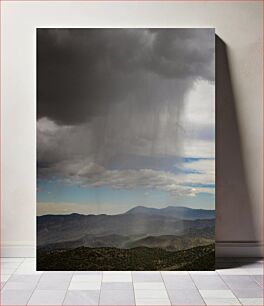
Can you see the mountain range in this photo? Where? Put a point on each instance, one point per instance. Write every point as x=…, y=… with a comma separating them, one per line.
x=179, y=212
x=171, y=228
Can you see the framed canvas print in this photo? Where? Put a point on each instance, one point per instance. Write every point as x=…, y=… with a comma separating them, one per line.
x=125, y=149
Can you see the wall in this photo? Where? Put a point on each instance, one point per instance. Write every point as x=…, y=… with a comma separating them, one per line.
x=238, y=97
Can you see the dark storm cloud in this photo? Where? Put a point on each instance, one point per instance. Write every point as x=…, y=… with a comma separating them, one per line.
x=85, y=73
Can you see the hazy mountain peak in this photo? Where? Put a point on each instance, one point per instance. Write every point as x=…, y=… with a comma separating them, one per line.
x=180, y=212
x=139, y=209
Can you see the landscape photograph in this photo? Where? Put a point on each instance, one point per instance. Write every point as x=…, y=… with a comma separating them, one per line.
x=125, y=149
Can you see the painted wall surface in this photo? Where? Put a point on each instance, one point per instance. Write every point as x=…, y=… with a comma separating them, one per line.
x=238, y=104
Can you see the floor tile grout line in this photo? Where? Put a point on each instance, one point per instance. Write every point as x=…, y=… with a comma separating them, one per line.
x=2, y=289
x=231, y=288
x=252, y=276
x=67, y=289
x=166, y=288
x=133, y=288
x=11, y=273
x=35, y=287
x=102, y=275
x=196, y=287
x=17, y=267
x=21, y=265
x=4, y=285
x=154, y=283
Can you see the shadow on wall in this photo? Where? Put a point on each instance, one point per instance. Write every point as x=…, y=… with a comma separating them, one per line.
x=234, y=220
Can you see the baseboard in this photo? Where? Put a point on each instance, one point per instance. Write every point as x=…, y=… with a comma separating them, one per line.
x=239, y=249
x=223, y=249
x=22, y=249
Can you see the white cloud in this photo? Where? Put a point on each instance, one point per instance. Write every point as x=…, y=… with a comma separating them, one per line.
x=198, y=121
x=89, y=174
x=200, y=104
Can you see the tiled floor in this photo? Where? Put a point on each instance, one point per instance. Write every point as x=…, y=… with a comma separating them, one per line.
x=238, y=282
